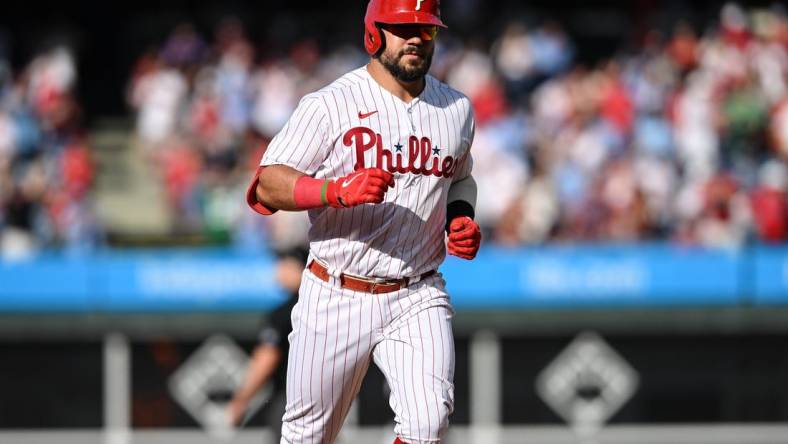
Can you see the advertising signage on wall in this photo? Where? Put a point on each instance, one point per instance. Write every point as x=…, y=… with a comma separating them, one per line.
x=544, y=277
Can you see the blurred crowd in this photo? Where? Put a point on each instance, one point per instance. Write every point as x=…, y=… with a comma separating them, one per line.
x=682, y=137
x=46, y=169
x=205, y=112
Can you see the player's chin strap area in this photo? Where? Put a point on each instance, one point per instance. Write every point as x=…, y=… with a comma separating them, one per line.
x=366, y=285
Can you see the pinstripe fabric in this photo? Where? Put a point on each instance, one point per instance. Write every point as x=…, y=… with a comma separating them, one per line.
x=397, y=238
x=337, y=333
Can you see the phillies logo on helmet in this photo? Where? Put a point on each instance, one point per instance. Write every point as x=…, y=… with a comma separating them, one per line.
x=418, y=4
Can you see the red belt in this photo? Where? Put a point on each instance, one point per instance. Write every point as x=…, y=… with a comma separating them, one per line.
x=367, y=286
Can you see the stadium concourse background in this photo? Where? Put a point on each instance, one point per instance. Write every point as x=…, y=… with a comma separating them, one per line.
x=631, y=160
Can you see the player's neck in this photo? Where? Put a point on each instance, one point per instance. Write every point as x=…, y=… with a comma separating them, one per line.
x=406, y=91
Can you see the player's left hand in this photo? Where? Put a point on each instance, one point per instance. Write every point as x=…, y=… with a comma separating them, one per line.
x=465, y=236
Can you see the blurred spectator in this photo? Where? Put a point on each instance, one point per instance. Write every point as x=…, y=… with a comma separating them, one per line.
x=46, y=170
x=683, y=47
x=277, y=97
x=770, y=202
x=525, y=57
x=184, y=49
x=157, y=93
x=725, y=217
x=236, y=56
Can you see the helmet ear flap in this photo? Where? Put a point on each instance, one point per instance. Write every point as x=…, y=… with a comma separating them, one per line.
x=382, y=44
x=374, y=40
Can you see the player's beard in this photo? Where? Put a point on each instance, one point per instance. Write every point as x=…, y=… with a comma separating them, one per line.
x=408, y=72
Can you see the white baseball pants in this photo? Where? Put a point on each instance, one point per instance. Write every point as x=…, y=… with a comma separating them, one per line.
x=338, y=332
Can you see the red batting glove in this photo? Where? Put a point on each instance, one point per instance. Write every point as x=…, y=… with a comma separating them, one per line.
x=367, y=185
x=464, y=238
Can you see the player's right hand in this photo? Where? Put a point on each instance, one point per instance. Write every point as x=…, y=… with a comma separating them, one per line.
x=368, y=185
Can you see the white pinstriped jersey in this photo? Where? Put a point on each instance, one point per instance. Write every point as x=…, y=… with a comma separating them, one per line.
x=355, y=123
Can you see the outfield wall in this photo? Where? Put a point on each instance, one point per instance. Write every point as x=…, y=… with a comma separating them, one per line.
x=499, y=279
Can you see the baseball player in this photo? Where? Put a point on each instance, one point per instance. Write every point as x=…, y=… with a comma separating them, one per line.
x=380, y=159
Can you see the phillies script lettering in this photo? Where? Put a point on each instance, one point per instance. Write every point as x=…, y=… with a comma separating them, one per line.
x=421, y=155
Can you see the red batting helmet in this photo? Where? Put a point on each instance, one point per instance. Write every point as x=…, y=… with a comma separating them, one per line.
x=394, y=12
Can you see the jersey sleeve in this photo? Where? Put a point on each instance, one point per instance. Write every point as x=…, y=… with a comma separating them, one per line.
x=465, y=163
x=303, y=143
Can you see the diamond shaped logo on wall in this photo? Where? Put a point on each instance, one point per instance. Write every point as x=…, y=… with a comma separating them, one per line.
x=204, y=384
x=587, y=383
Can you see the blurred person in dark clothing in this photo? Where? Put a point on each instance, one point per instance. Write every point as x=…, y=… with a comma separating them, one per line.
x=21, y=203
x=269, y=359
